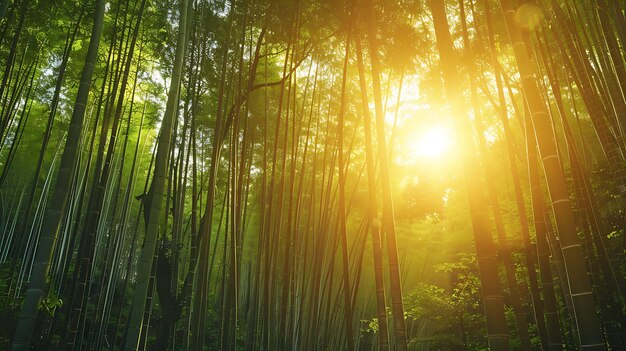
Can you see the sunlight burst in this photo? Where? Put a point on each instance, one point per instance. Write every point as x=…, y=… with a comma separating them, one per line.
x=431, y=143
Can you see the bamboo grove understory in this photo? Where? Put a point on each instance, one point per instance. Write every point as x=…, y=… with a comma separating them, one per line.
x=313, y=175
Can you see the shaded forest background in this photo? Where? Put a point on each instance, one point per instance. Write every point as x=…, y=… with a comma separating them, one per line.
x=242, y=175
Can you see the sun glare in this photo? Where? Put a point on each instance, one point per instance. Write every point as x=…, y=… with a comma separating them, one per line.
x=432, y=143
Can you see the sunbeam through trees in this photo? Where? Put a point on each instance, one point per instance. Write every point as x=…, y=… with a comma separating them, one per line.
x=313, y=175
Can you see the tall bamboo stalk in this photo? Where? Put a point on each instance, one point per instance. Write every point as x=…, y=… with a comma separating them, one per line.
x=36, y=286
x=388, y=213
x=156, y=192
x=590, y=335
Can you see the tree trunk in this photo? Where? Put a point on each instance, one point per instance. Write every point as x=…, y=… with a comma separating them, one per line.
x=590, y=334
x=497, y=333
x=381, y=308
x=37, y=284
x=388, y=213
x=156, y=192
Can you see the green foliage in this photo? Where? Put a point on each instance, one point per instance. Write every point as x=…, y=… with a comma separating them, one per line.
x=452, y=313
x=50, y=304
x=9, y=307
x=369, y=325
x=429, y=201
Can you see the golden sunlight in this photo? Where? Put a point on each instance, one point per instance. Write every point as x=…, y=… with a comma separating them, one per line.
x=432, y=143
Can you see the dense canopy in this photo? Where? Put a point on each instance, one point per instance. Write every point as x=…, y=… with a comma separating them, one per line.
x=312, y=175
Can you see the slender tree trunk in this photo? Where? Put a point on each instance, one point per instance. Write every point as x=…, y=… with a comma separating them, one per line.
x=381, y=308
x=549, y=339
x=36, y=286
x=492, y=196
x=341, y=164
x=590, y=334
x=497, y=333
x=156, y=192
x=388, y=214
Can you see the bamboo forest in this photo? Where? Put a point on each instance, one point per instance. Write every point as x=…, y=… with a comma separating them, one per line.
x=313, y=175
